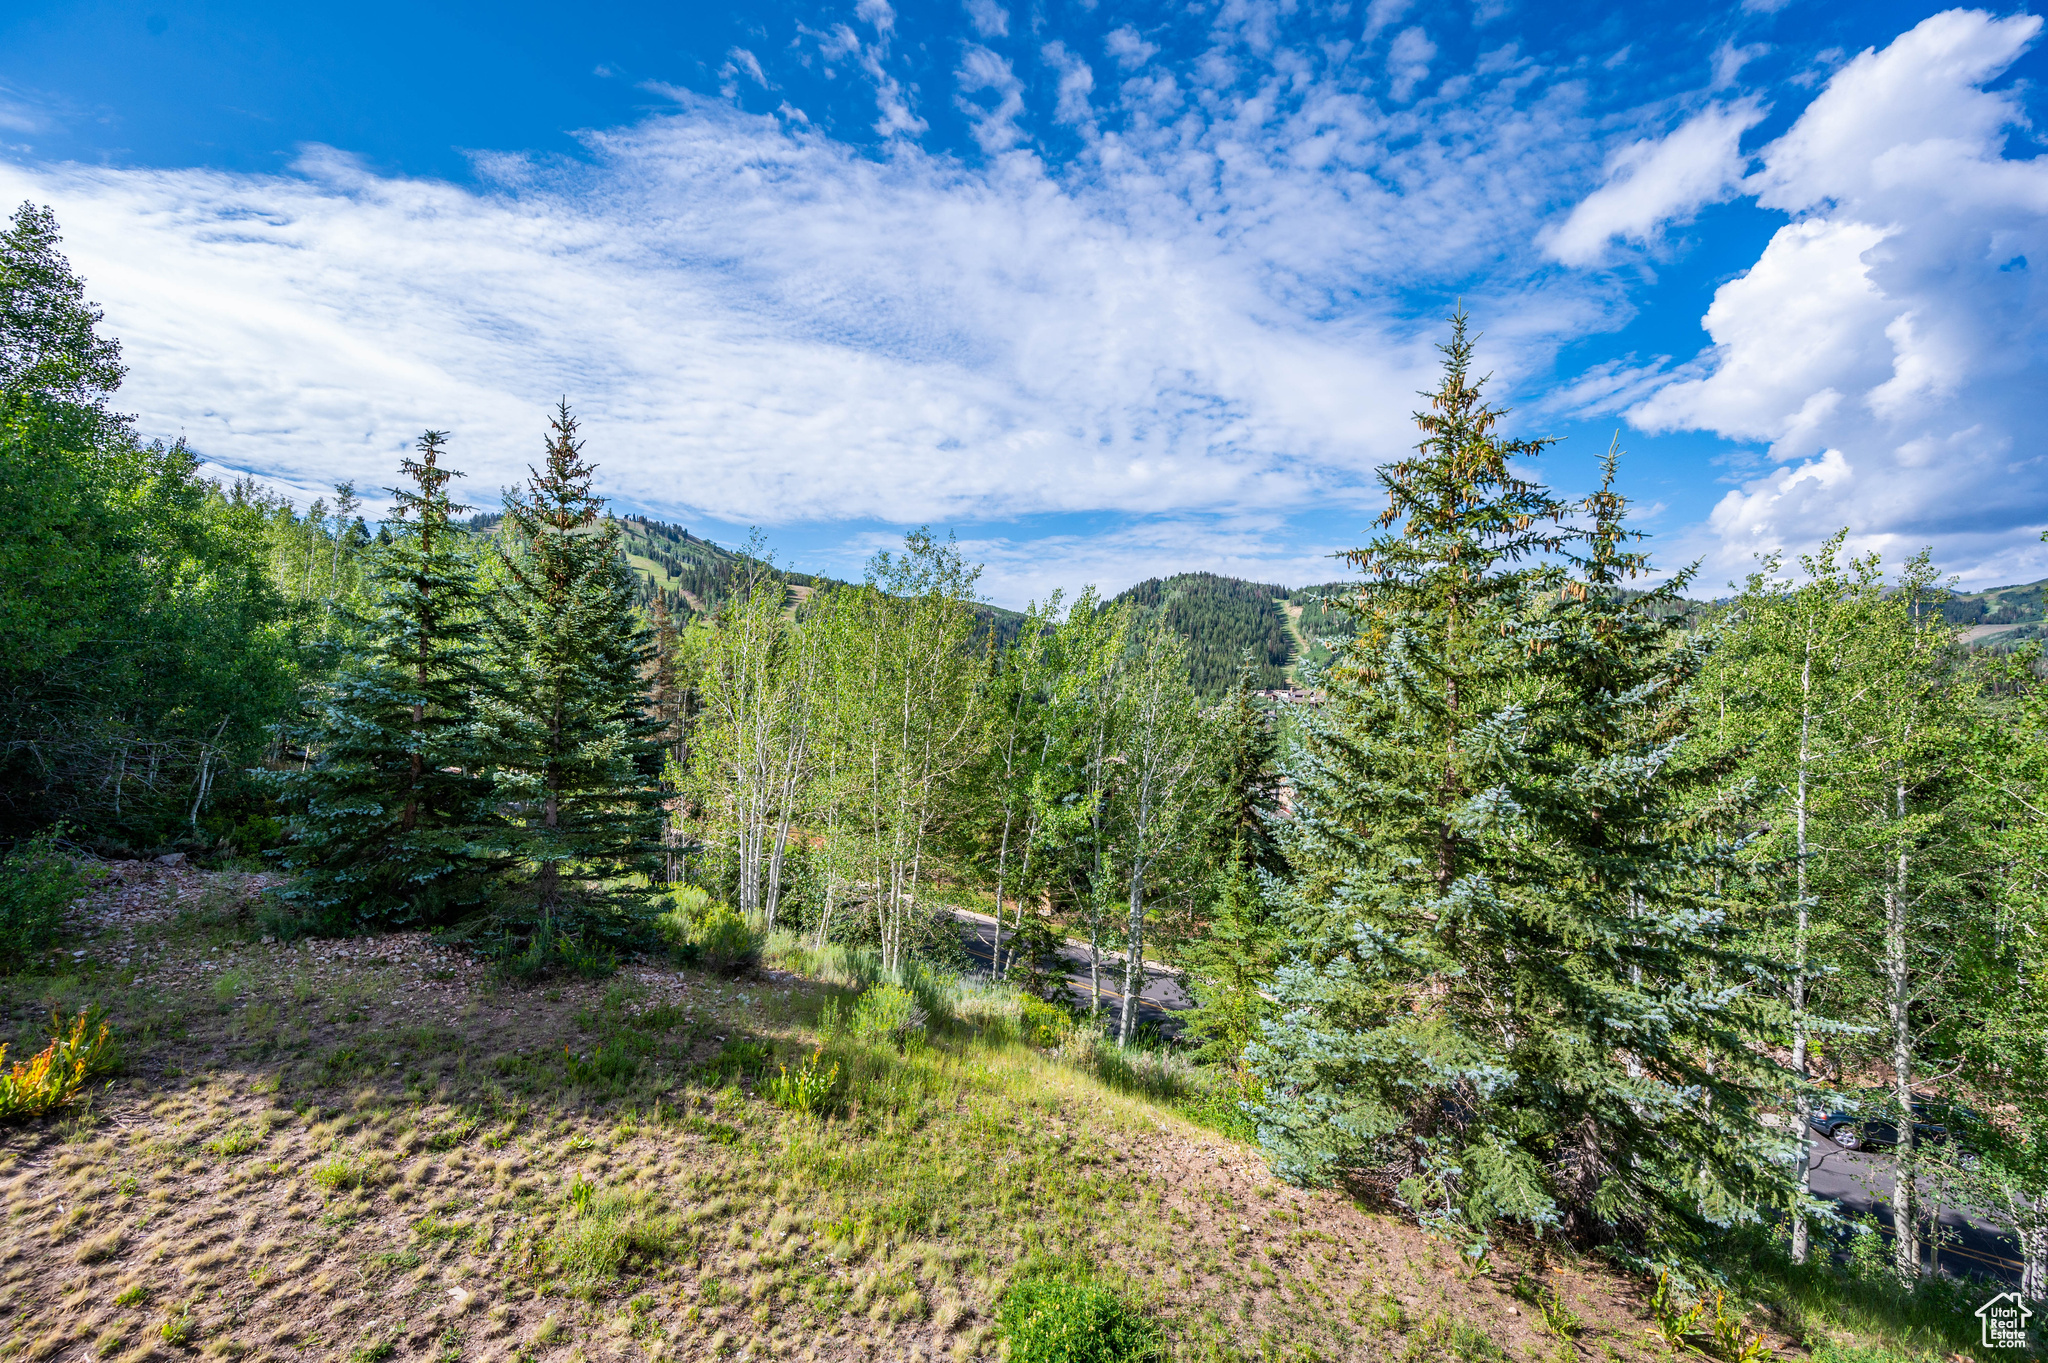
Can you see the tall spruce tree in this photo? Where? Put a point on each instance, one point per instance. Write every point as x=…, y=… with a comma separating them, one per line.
x=1508, y=986
x=574, y=751
x=390, y=805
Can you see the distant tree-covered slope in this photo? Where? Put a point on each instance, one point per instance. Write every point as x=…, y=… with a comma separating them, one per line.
x=693, y=576
x=2001, y=618
x=1221, y=617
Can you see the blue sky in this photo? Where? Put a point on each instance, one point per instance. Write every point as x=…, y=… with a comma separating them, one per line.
x=1107, y=290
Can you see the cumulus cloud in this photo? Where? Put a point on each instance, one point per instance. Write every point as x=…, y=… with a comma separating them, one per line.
x=994, y=118
x=1889, y=341
x=1381, y=15
x=990, y=19
x=1408, y=59
x=1655, y=182
x=1076, y=83
x=1130, y=50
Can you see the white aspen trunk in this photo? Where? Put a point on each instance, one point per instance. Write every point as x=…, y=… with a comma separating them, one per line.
x=1905, y=1157
x=1094, y=952
x=995, y=969
x=1023, y=888
x=1803, y=1167
x=199, y=790
x=775, y=870
x=784, y=806
x=1134, y=958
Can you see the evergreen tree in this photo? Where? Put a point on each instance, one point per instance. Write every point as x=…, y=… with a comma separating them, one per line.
x=1506, y=981
x=388, y=812
x=573, y=749
x=1229, y=970
x=1244, y=776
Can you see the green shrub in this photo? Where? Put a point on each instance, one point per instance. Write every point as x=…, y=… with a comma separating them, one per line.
x=544, y=955
x=709, y=934
x=888, y=1012
x=1074, y=1322
x=37, y=883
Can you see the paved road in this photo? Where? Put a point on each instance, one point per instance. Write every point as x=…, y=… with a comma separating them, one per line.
x=1158, y=1001
x=1862, y=1182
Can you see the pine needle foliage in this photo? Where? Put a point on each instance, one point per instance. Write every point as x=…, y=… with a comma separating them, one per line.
x=391, y=805
x=575, y=755
x=1508, y=984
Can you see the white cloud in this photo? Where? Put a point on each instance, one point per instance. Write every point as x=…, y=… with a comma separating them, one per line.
x=878, y=15
x=1130, y=51
x=20, y=115
x=990, y=19
x=757, y=324
x=1381, y=15
x=1654, y=182
x=995, y=121
x=1890, y=343
x=739, y=62
x=1730, y=59
x=1408, y=59
x=1207, y=322
x=1077, y=82
x=892, y=101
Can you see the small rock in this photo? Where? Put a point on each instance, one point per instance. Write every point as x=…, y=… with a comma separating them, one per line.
x=171, y=859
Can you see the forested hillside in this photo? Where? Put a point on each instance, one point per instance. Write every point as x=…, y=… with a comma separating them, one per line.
x=1223, y=620
x=2001, y=619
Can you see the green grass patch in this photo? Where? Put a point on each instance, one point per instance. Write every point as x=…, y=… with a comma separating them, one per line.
x=1055, y=1321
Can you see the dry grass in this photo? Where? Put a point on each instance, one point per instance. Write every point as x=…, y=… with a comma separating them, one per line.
x=361, y=1150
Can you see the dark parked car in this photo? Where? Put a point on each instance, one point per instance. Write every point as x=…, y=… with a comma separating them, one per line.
x=1869, y=1124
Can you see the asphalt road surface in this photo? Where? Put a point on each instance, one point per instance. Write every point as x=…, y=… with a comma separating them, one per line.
x=1159, y=999
x=1860, y=1180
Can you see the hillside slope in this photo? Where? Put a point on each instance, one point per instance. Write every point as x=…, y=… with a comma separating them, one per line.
x=2000, y=618
x=1222, y=618
x=367, y=1149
